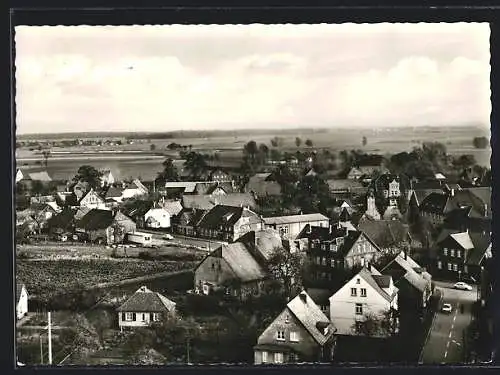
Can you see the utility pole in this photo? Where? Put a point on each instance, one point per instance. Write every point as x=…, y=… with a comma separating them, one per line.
x=41, y=350
x=188, y=349
x=50, y=338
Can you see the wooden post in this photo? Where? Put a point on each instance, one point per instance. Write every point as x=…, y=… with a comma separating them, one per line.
x=50, y=339
x=41, y=349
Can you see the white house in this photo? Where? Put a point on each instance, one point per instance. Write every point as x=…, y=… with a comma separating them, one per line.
x=157, y=218
x=21, y=300
x=291, y=226
x=143, y=308
x=368, y=292
x=92, y=200
x=135, y=189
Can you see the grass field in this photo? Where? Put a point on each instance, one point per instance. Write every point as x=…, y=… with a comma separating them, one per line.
x=458, y=140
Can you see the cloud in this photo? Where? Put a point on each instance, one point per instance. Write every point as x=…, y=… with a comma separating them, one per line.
x=292, y=86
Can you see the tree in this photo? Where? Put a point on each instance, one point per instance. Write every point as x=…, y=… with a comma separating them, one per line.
x=275, y=142
x=364, y=141
x=90, y=175
x=372, y=325
x=169, y=172
x=251, y=150
x=480, y=142
x=152, y=147
x=37, y=188
x=286, y=267
x=263, y=152
x=46, y=155
x=298, y=141
x=195, y=163
x=312, y=194
x=464, y=162
x=309, y=143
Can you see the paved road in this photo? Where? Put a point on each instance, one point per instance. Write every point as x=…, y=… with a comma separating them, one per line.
x=445, y=342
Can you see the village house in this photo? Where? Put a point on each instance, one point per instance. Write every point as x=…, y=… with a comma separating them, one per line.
x=113, y=194
x=173, y=207
x=461, y=254
x=342, y=211
x=368, y=292
x=227, y=223
x=136, y=210
x=62, y=224
x=107, y=178
x=43, y=212
x=134, y=189
x=157, y=218
x=386, y=234
x=231, y=269
x=92, y=200
x=186, y=222
x=345, y=188
x=291, y=226
x=333, y=250
x=365, y=173
x=104, y=226
x=436, y=206
x=413, y=281
x=144, y=308
x=262, y=185
x=176, y=189
x=31, y=175
x=300, y=333
x=21, y=300
x=219, y=175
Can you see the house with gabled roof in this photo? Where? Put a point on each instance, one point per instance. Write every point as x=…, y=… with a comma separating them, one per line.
x=300, y=333
x=91, y=200
x=104, y=226
x=113, y=194
x=227, y=223
x=208, y=201
x=291, y=226
x=144, y=308
x=345, y=187
x=173, y=207
x=32, y=175
x=413, y=281
x=368, y=292
x=21, y=299
x=385, y=233
x=365, y=172
x=233, y=269
x=461, y=254
x=135, y=189
x=186, y=222
x=262, y=243
x=332, y=251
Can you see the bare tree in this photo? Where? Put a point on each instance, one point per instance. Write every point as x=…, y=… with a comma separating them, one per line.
x=287, y=267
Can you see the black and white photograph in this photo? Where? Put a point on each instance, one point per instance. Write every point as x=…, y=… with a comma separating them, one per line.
x=253, y=194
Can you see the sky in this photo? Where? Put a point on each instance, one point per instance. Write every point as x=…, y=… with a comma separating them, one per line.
x=205, y=77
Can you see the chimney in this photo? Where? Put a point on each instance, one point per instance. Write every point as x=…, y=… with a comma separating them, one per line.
x=303, y=297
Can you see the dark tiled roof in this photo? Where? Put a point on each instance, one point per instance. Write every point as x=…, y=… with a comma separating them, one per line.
x=434, y=203
x=369, y=277
x=145, y=300
x=64, y=220
x=262, y=184
x=96, y=219
x=242, y=262
x=219, y=215
x=385, y=233
x=342, y=185
x=137, y=208
x=113, y=192
x=481, y=244
x=322, y=233
x=383, y=281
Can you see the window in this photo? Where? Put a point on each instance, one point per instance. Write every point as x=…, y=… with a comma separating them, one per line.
x=466, y=269
x=156, y=317
x=294, y=336
x=452, y=252
x=445, y=251
x=129, y=317
x=143, y=317
x=264, y=357
x=455, y=267
x=280, y=336
x=357, y=281
x=333, y=247
x=278, y=357
x=440, y=264
x=449, y=266
x=353, y=292
x=323, y=261
x=293, y=357
x=332, y=263
x=363, y=292
x=459, y=254
x=359, y=309
x=318, y=260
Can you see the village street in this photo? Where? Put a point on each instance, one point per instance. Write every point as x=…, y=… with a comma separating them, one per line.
x=445, y=342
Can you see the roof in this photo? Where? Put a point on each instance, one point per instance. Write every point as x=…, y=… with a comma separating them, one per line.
x=187, y=186
x=266, y=241
x=348, y=225
x=63, y=220
x=319, y=296
x=39, y=176
x=463, y=239
x=172, y=207
x=261, y=184
x=417, y=281
x=434, y=202
x=241, y=261
x=309, y=315
x=375, y=282
x=482, y=243
x=220, y=214
x=385, y=233
x=439, y=176
x=146, y=300
x=277, y=220
x=322, y=233
x=421, y=194
x=137, y=208
x=344, y=184
x=81, y=212
x=113, y=192
x=96, y=219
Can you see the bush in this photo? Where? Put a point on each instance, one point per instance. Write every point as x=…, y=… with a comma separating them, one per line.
x=480, y=142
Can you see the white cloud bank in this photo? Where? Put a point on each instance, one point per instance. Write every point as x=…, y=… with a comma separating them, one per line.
x=291, y=85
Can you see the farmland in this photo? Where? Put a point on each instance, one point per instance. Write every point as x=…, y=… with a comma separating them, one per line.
x=136, y=160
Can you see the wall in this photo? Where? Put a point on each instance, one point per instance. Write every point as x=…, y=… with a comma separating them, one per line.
x=138, y=322
x=160, y=217
x=362, y=249
x=217, y=274
x=343, y=306
x=306, y=347
x=292, y=230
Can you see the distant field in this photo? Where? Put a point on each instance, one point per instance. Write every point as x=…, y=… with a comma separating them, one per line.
x=146, y=166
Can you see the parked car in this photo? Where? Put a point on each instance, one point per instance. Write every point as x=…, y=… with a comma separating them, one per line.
x=447, y=308
x=168, y=237
x=462, y=286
